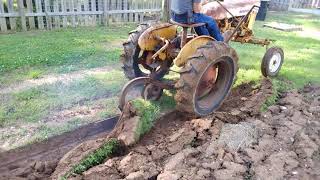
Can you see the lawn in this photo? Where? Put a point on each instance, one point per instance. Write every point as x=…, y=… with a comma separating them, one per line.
x=32, y=54
x=77, y=92
x=301, y=53
x=62, y=102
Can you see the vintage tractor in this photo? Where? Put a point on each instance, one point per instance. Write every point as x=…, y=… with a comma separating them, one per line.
x=207, y=67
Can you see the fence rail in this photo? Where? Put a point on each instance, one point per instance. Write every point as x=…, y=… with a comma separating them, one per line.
x=54, y=14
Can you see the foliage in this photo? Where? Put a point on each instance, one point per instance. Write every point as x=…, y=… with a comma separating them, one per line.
x=107, y=150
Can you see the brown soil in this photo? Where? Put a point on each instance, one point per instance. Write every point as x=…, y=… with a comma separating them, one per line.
x=237, y=142
x=38, y=161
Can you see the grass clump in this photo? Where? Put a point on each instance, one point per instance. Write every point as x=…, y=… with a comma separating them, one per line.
x=278, y=87
x=148, y=112
x=107, y=150
x=35, y=74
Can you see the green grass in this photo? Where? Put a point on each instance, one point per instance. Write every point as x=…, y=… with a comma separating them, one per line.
x=148, y=112
x=34, y=104
x=107, y=150
x=36, y=74
x=306, y=20
x=32, y=55
x=279, y=86
x=301, y=53
x=59, y=51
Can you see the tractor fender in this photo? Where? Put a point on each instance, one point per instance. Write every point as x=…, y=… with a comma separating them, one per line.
x=148, y=40
x=190, y=48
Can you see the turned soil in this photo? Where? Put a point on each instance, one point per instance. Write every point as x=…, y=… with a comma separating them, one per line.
x=237, y=142
x=38, y=161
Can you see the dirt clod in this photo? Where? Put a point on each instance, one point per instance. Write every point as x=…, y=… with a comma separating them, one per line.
x=237, y=142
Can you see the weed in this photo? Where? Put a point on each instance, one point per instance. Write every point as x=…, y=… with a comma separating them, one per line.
x=35, y=74
x=278, y=87
x=107, y=150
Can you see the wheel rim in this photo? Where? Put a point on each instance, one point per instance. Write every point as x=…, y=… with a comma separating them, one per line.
x=142, y=69
x=207, y=102
x=275, y=62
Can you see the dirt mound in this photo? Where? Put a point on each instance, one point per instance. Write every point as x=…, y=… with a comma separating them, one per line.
x=282, y=143
x=237, y=142
x=39, y=161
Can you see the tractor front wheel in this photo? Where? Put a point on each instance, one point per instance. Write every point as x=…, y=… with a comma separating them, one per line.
x=207, y=79
x=272, y=62
x=134, y=59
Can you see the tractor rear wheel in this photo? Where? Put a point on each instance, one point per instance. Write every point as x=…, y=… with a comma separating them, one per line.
x=207, y=79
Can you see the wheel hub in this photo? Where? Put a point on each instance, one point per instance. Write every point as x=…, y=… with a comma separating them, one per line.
x=275, y=62
x=152, y=92
x=207, y=81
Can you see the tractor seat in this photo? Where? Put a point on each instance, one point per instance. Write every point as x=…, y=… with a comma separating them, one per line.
x=185, y=28
x=187, y=25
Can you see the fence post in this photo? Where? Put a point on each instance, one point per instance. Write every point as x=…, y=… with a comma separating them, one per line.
x=22, y=15
x=105, y=12
x=3, y=23
x=125, y=7
x=30, y=10
x=48, y=17
x=86, y=9
x=39, y=10
x=64, y=10
x=166, y=10
x=12, y=20
x=73, y=17
x=93, y=9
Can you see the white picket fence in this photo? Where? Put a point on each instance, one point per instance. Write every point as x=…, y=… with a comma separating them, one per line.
x=16, y=15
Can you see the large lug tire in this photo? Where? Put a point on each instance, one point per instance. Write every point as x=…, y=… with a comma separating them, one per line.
x=272, y=62
x=131, y=55
x=215, y=54
x=131, y=52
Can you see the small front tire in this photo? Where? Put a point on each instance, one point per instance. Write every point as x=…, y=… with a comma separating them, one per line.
x=272, y=62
